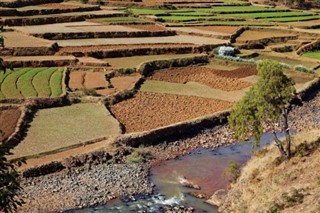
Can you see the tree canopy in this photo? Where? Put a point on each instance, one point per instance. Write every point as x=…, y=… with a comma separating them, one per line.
x=9, y=180
x=265, y=107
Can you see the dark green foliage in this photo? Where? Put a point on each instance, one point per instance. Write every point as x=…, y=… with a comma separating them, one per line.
x=232, y=171
x=9, y=180
x=264, y=107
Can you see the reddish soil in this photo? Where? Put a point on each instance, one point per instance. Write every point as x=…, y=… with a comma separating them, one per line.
x=107, y=91
x=115, y=47
x=94, y=80
x=220, y=29
x=210, y=77
x=76, y=80
x=251, y=35
x=59, y=6
x=8, y=122
x=125, y=82
x=147, y=27
x=240, y=72
x=146, y=111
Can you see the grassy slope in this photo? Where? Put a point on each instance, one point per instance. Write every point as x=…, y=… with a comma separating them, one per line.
x=292, y=186
x=59, y=127
x=268, y=15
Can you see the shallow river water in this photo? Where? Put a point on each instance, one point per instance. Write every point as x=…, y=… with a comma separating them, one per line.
x=204, y=167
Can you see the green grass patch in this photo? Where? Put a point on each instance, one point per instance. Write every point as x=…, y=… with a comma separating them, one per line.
x=148, y=11
x=296, y=18
x=31, y=82
x=56, y=83
x=41, y=82
x=237, y=23
x=25, y=85
x=60, y=127
x=183, y=18
x=9, y=83
x=314, y=55
x=268, y=15
x=123, y=20
x=239, y=9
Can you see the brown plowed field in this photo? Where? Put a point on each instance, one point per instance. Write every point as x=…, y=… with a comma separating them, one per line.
x=76, y=80
x=240, y=72
x=210, y=77
x=94, y=80
x=146, y=111
x=220, y=29
x=251, y=35
x=125, y=82
x=8, y=121
x=115, y=47
x=90, y=80
x=120, y=83
x=148, y=27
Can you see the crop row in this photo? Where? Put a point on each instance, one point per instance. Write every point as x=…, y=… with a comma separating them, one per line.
x=31, y=82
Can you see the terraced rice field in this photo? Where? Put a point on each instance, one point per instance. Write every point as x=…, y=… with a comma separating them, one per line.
x=292, y=19
x=269, y=14
x=56, y=128
x=314, y=55
x=8, y=121
x=88, y=80
x=146, y=111
x=32, y=82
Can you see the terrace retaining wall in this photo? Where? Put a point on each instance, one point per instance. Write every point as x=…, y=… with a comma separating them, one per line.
x=315, y=45
x=84, y=35
x=146, y=68
x=35, y=12
x=22, y=3
x=25, y=21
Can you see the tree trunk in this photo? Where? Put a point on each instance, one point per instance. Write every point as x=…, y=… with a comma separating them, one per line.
x=279, y=144
x=287, y=133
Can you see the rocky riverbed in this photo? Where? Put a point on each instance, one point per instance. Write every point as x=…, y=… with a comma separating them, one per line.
x=81, y=187
x=97, y=184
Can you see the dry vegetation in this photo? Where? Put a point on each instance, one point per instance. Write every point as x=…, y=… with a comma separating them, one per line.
x=268, y=184
x=60, y=127
x=146, y=111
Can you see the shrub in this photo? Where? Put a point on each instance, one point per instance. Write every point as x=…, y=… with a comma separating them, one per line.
x=127, y=71
x=232, y=171
x=302, y=68
x=139, y=155
x=90, y=92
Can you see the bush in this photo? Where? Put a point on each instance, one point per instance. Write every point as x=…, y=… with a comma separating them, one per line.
x=139, y=155
x=127, y=71
x=90, y=92
x=232, y=171
x=302, y=68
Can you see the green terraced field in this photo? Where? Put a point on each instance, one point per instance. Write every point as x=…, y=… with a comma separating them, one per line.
x=31, y=82
x=315, y=55
x=296, y=18
x=268, y=15
x=240, y=9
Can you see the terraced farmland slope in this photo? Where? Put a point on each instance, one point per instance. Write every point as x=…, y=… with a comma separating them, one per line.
x=61, y=127
x=8, y=121
x=32, y=82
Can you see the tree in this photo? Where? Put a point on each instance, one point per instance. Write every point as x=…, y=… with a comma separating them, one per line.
x=9, y=180
x=265, y=107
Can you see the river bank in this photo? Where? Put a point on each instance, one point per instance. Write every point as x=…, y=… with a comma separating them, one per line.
x=96, y=185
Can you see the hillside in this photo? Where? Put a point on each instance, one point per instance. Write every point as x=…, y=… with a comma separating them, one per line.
x=267, y=184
